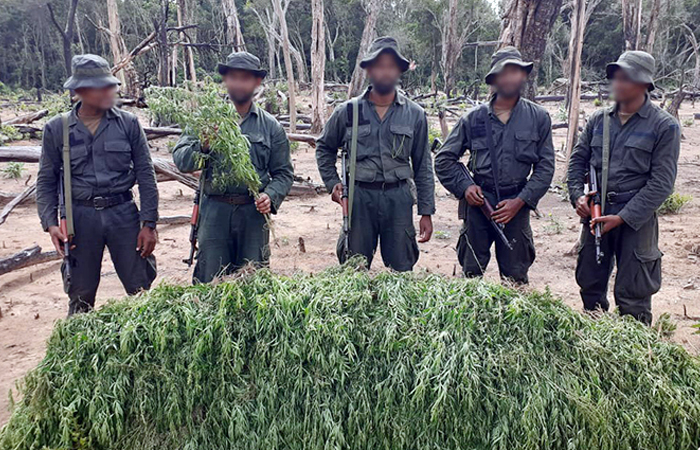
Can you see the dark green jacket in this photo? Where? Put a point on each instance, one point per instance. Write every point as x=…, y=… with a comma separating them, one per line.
x=643, y=156
x=269, y=152
x=390, y=150
x=523, y=145
x=108, y=163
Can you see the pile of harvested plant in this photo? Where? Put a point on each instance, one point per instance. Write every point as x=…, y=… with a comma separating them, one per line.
x=344, y=360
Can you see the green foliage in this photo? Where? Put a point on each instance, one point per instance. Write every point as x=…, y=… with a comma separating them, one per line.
x=10, y=133
x=674, y=203
x=597, y=103
x=343, y=360
x=207, y=115
x=57, y=103
x=553, y=226
x=443, y=235
x=434, y=133
x=688, y=122
x=13, y=170
x=293, y=146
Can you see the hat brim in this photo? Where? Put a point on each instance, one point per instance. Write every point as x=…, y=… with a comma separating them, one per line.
x=224, y=68
x=631, y=72
x=369, y=59
x=498, y=68
x=73, y=83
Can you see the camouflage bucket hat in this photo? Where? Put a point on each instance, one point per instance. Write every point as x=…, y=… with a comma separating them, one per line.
x=382, y=45
x=242, y=61
x=90, y=71
x=502, y=58
x=639, y=67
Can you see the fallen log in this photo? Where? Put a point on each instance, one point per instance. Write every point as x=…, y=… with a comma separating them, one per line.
x=174, y=220
x=28, y=154
x=28, y=118
x=28, y=257
x=31, y=190
x=300, y=126
x=157, y=132
x=561, y=98
x=305, y=138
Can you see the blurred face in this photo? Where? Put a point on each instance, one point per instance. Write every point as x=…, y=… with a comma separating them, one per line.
x=624, y=89
x=241, y=85
x=384, y=73
x=98, y=98
x=510, y=81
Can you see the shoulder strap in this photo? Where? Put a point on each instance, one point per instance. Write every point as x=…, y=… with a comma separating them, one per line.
x=606, y=160
x=492, y=151
x=353, y=155
x=67, y=191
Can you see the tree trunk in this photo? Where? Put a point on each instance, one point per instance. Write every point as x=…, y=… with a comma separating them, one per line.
x=291, y=84
x=67, y=33
x=128, y=76
x=653, y=25
x=578, y=27
x=629, y=23
x=527, y=25
x=184, y=12
x=318, y=67
x=162, y=27
x=368, y=33
x=234, y=35
x=451, y=47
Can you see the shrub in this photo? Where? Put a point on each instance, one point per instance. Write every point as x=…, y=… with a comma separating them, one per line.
x=343, y=360
x=674, y=203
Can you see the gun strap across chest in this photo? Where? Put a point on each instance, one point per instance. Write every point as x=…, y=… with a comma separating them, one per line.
x=606, y=161
x=492, y=151
x=67, y=191
x=353, y=156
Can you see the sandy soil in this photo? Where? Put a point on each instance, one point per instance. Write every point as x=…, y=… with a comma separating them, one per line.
x=31, y=300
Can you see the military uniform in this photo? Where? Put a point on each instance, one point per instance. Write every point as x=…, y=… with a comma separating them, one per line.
x=232, y=232
x=393, y=172
x=643, y=159
x=104, y=168
x=525, y=157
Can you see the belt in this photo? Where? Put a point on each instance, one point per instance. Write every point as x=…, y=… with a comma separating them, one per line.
x=103, y=202
x=233, y=199
x=379, y=185
x=621, y=197
x=505, y=191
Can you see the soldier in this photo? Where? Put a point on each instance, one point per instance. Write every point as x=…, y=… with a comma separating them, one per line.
x=232, y=229
x=108, y=153
x=634, y=148
x=392, y=163
x=511, y=157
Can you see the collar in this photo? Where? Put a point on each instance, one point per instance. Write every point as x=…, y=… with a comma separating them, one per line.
x=399, y=98
x=643, y=112
x=73, y=118
x=492, y=99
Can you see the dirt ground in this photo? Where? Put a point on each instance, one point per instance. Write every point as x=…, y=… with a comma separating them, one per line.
x=31, y=300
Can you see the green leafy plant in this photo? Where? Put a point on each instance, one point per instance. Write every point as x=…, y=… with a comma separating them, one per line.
x=345, y=360
x=674, y=203
x=439, y=234
x=553, y=226
x=688, y=122
x=597, y=103
x=10, y=133
x=13, y=170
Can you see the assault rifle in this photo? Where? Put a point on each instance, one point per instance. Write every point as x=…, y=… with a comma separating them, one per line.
x=344, y=204
x=596, y=211
x=194, y=221
x=63, y=225
x=486, y=207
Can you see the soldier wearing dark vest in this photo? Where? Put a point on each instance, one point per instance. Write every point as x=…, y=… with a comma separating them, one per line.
x=108, y=153
x=393, y=167
x=511, y=157
x=636, y=169
x=232, y=230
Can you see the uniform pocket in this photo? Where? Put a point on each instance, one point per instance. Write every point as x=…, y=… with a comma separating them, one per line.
x=526, y=147
x=259, y=152
x=480, y=160
x=118, y=155
x=78, y=159
x=401, y=141
x=643, y=278
x=638, y=151
x=597, y=151
x=364, y=146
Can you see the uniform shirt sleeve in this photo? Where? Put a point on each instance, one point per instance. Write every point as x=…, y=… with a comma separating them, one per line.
x=422, y=163
x=145, y=174
x=664, y=167
x=327, y=146
x=184, y=153
x=49, y=172
x=447, y=158
x=579, y=162
x=543, y=170
x=280, y=169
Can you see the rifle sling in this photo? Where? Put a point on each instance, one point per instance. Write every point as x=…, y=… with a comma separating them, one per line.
x=492, y=152
x=606, y=161
x=67, y=190
x=353, y=157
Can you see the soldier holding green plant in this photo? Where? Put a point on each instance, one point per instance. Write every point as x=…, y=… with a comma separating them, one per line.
x=237, y=196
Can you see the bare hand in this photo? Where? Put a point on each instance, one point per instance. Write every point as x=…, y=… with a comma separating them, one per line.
x=609, y=223
x=57, y=238
x=474, y=195
x=507, y=209
x=337, y=192
x=426, y=229
x=146, y=242
x=263, y=204
x=583, y=205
